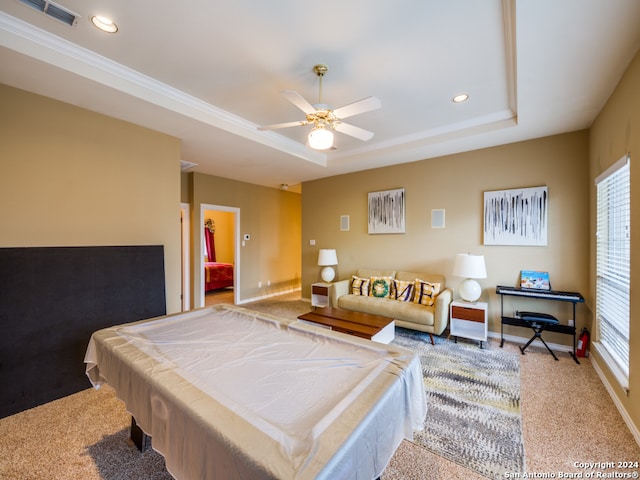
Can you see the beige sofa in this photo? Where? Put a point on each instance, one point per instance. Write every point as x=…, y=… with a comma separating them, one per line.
x=407, y=313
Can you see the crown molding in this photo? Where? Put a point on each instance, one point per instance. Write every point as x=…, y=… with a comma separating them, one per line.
x=511, y=56
x=39, y=44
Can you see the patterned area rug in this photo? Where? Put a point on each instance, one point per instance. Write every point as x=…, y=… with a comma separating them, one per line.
x=473, y=403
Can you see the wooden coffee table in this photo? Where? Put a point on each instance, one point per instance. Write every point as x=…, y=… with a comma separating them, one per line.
x=372, y=327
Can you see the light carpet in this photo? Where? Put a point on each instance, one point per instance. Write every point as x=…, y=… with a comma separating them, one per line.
x=473, y=398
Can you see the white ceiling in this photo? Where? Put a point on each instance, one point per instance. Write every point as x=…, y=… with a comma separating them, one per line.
x=210, y=72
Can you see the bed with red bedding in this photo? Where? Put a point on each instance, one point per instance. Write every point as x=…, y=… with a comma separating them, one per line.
x=217, y=275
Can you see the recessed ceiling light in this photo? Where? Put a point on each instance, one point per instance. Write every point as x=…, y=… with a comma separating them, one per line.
x=463, y=97
x=105, y=24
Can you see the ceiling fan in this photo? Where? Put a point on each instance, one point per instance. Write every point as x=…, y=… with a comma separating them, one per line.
x=325, y=119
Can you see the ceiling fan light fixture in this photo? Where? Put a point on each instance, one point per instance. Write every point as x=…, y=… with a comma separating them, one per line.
x=320, y=138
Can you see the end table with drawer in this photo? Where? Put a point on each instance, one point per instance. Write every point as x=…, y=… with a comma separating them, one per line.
x=320, y=294
x=469, y=320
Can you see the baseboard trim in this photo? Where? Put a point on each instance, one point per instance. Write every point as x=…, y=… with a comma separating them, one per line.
x=607, y=385
x=269, y=295
x=616, y=401
x=522, y=340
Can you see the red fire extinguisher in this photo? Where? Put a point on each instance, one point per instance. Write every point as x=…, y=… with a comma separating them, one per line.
x=583, y=343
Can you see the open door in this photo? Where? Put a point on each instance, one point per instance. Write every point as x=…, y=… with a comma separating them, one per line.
x=223, y=223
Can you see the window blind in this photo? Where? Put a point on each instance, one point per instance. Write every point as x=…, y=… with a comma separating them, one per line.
x=613, y=241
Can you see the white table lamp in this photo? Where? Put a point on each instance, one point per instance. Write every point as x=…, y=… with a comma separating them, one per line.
x=469, y=267
x=327, y=258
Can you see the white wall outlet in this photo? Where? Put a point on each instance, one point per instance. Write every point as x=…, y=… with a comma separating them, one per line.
x=571, y=322
x=312, y=242
x=259, y=284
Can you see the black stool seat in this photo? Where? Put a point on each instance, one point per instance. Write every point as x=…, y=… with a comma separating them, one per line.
x=538, y=323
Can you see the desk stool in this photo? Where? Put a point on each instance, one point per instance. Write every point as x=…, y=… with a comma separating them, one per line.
x=538, y=323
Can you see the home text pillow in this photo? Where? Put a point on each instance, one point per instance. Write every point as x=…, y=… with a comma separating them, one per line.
x=380, y=287
x=403, y=290
x=426, y=292
x=360, y=286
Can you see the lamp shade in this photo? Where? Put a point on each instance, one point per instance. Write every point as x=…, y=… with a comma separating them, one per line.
x=320, y=138
x=327, y=257
x=469, y=266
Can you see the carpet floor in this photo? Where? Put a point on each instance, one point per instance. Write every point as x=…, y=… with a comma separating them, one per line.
x=567, y=417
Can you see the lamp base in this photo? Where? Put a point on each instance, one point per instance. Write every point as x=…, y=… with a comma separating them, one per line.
x=470, y=290
x=328, y=274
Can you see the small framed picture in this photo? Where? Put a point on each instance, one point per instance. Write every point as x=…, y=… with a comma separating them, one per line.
x=386, y=211
x=534, y=280
x=516, y=216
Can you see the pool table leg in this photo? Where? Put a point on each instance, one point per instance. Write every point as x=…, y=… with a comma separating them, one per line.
x=138, y=437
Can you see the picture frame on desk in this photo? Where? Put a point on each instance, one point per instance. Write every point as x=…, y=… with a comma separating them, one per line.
x=534, y=280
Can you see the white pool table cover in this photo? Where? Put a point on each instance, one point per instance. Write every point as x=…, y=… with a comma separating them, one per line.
x=229, y=393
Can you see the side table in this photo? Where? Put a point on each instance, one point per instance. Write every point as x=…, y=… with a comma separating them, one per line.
x=469, y=320
x=320, y=294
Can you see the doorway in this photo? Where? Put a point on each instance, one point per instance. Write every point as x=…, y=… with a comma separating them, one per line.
x=224, y=224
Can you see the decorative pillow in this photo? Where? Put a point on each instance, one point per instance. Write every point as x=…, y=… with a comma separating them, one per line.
x=381, y=287
x=360, y=286
x=402, y=290
x=426, y=292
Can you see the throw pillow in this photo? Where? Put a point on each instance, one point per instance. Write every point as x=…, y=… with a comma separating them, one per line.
x=402, y=290
x=426, y=292
x=360, y=286
x=381, y=287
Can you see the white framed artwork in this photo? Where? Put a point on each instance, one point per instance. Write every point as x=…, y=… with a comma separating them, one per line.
x=386, y=211
x=516, y=217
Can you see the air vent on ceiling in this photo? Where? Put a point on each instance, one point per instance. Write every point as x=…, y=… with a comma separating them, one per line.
x=53, y=10
x=184, y=165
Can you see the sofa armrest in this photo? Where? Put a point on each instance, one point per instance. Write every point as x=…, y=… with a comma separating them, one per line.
x=337, y=290
x=441, y=314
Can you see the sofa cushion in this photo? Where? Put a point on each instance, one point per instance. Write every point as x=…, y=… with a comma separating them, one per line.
x=387, y=307
x=380, y=287
x=360, y=286
x=402, y=290
x=426, y=292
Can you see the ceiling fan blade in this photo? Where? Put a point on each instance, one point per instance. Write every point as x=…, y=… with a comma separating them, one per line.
x=299, y=101
x=276, y=126
x=356, y=108
x=353, y=131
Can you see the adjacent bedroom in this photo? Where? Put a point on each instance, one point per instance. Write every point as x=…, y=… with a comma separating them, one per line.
x=218, y=251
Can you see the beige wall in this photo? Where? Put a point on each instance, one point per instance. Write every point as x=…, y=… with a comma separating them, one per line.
x=456, y=184
x=272, y=219
x=70, y=177
x=615, y=132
